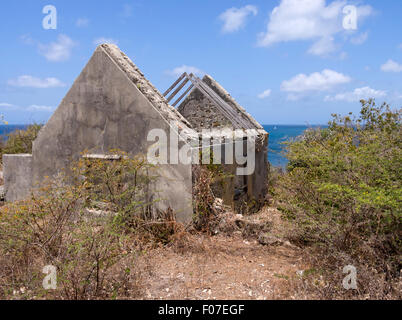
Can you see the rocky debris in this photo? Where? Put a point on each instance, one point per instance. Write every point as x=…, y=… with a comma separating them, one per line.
x=219, y=206
x=229, y=222
x=255, y=228
x=99, y=209
x=226, y=223
x=98, y=213
x=252, y=228
x=269, y=240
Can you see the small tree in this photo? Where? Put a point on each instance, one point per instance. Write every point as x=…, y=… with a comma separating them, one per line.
x=86, y=224
x=343, y=187
x=20, y=141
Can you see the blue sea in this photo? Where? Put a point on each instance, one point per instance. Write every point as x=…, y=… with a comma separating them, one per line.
x=6, y=129
x=277, y=135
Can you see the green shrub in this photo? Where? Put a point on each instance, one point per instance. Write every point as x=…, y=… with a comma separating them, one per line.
x=123, y=187
x=343, y=187
x=20, y=141
x=87, y=224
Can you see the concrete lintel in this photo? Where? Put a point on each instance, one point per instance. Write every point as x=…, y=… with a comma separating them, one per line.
x=102, y=156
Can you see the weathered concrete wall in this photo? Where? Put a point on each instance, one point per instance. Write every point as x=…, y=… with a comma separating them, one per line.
x=203, y=114
x=257, y=182
x=246, y=192
x=17, y=169
x=105, y=109
x=112, y=106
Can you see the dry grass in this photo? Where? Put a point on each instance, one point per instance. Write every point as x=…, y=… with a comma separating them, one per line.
x=220, y=267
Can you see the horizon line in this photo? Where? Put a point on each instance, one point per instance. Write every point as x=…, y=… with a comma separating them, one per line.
x=267, y=124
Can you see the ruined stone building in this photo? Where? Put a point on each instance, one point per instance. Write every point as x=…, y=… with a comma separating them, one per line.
x=111, y=105
x=207, y=105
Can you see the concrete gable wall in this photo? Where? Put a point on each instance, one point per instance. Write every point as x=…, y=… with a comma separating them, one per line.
x=104, y=110
x=203, y=114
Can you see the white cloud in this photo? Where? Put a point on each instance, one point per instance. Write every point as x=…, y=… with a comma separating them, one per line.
x=357, y=94
x=235, y=18
x=35, y=107
x=176, y=72
x=102, y=40
x=33, y=82
x=323, y=46
x=360, y=39
x=7, y=105
x=308, y=20
x=265, y=94
x=59, y=50
x=400, y=46
x=317, y=81
x=391, y=66
x=82, y=22
x=293, y=97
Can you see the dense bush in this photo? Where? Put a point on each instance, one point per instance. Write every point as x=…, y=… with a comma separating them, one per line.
x=343, y=189
x=85, y=223
x=20, y=141
x=120, y=184
x=204, y=199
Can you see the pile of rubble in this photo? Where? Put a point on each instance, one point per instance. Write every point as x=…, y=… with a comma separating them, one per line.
x=250, y=227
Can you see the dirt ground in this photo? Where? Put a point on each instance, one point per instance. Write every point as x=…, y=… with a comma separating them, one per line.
x=222, y=267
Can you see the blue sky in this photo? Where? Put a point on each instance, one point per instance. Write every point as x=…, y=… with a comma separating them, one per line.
x=285, y=61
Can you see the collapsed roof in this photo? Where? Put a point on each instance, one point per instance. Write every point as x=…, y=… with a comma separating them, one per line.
x=219, y=101
x=207, y=100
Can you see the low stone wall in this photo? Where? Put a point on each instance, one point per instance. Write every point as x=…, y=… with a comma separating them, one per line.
x=17, y=169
